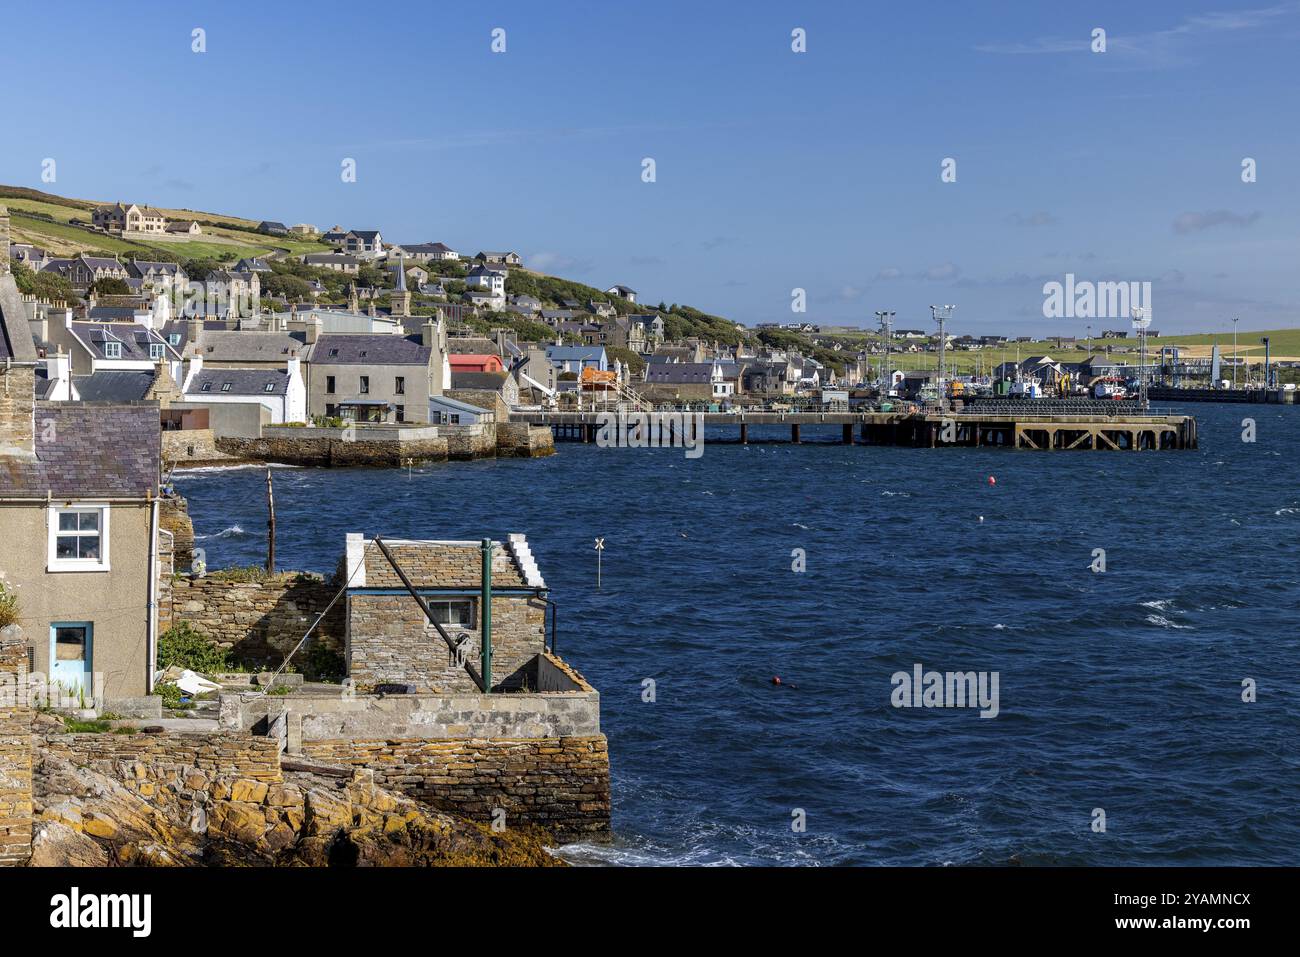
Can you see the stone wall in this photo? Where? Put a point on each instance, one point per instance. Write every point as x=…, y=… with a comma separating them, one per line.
x=15, y=754
x=190, y=446
x=389, y=641
x=260, y=621
x=560, y=784
x=475, y=441
x=174, y=517
x=523, y=440
x=17, y=403
x=328, y=451
x=216, y=755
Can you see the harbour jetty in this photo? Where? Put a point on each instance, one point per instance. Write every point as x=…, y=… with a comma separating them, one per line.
x=1017, y=426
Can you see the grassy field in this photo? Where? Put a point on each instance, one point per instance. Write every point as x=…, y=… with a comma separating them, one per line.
x=225, y=243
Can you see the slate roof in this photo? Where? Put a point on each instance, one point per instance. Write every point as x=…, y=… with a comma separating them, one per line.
x=234, y=345
x=379, y=349
x=239, y=382
x=113, y=385
x=134, y=337
x=575, y=353
x=101, y=451
x=679, y=373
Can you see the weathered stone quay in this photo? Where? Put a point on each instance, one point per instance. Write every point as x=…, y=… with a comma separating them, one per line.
x=1152, y=431
x=386, y=445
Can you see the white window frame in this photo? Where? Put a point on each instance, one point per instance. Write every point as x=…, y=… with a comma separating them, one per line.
x=112, y=350
x=157, y=351
x=55, y=564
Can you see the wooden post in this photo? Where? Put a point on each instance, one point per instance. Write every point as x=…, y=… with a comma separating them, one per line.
x=270, y=525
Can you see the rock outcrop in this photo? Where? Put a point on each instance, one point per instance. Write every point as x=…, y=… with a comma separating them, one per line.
x=145, y=815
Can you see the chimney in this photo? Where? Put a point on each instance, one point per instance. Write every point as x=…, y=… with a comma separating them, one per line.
x=195, y=367
x=58, y=369
x=428, y=334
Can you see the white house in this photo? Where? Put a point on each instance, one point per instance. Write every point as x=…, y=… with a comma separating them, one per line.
x=281, y=391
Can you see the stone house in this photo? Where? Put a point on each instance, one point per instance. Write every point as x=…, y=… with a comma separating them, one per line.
x=184, y=227
x=504, y=258
x=128, y=219
x=388, y=639
x=79, y=522
x=380, y=377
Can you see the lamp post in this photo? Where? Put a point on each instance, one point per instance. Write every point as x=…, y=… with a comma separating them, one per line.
x=941, y=315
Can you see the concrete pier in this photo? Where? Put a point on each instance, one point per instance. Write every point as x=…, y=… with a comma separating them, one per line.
x=1152, y=432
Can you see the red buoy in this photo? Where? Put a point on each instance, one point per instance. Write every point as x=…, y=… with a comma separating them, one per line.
x=992, y=480
x=776, y=680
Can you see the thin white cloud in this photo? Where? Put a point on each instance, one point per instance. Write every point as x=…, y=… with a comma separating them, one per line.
x=1196, y=222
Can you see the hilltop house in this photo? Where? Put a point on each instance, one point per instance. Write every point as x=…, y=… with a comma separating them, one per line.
x=270, y=227
x=623, y=292
x=431, y=252
x=184, y=227
x=506, y=259
x=79, y=523
x=128, y=219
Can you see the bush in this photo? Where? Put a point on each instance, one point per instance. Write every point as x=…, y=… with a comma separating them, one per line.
x=324, y=664
x=183, y=646
x=8, y=607
x=171, y=697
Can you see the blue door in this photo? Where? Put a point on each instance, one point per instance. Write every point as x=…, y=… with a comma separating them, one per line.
x=70, y=653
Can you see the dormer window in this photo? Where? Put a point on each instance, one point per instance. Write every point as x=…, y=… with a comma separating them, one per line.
x=112, y=350
x=156, y=350
x=174, y=338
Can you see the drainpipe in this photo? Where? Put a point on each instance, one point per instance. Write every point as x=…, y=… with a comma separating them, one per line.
x=151, y=626
x=485, y=631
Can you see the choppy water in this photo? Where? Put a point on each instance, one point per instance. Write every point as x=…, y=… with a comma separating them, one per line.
x=1120, y=691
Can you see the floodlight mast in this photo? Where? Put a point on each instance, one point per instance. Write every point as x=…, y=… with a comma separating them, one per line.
x=941, y=315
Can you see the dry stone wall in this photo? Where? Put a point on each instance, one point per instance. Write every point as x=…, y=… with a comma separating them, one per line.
x=560, y=784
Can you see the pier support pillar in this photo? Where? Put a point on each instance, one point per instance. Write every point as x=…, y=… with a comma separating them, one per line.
x=744, y=434
x=794, y=434
x=847, y=433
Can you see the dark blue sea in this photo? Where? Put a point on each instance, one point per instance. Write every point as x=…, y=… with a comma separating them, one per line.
x=1120, y=691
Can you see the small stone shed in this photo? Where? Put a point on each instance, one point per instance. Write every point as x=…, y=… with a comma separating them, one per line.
x=388, y=637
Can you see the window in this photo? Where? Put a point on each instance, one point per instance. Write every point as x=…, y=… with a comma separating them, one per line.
x=329, y=385
x=269, y=387
x=206, y=387
x=156, y=350
x=78, y=538
x=399, y=385
x=174, y=338
x=225, y=387
x=401, y=413
x=365, y=385
x=112, y=350
x=455, y=611
x=454, y=418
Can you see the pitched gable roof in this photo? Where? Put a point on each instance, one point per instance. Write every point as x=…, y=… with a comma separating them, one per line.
x=102, y=451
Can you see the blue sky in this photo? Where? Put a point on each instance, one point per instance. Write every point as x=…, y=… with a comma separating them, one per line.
x=775, y=170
